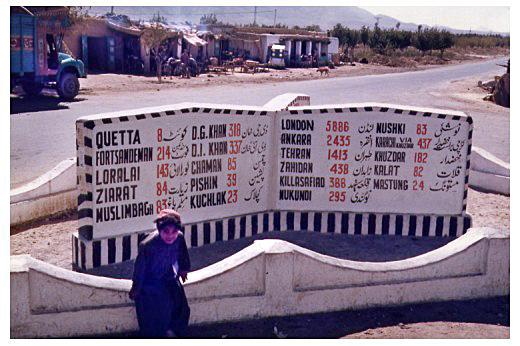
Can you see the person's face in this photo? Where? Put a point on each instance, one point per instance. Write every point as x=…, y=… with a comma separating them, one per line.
x=169, y=234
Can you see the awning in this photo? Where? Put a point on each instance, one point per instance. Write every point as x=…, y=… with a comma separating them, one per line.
x=131, y=30
x=194, y=40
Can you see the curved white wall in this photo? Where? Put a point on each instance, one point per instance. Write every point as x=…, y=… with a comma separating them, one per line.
x=268, y=278
x=51, y=193
x=489, y=173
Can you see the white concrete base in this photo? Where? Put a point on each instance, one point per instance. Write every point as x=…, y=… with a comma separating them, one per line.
x=51, y=193
x=488, y=182
x=486, y=162
x=269, y=278
x=489, y=173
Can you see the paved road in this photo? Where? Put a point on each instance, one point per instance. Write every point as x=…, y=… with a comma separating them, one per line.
x=43, y=131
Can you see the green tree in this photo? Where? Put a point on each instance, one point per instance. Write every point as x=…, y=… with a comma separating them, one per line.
x=364, y=35
x=378, y=40
x=423, y=40
x=152, y=36
x=446, y=41
x=209, y=19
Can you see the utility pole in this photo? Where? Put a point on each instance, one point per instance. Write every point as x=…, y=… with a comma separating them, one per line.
x=274, y=25
x=254, y=21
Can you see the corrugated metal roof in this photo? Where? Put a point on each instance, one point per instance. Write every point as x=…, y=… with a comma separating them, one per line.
x=195, y=40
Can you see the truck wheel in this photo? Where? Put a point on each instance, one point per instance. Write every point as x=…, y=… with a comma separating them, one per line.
x=32, y=89
x=68, y=86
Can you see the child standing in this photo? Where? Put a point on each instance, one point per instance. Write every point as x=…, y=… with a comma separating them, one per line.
x=160, y=301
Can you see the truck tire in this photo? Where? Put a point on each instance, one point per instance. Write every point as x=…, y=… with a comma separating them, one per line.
x=68, y=86
x=31, y=88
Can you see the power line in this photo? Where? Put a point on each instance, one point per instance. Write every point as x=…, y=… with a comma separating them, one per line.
x=201, y=14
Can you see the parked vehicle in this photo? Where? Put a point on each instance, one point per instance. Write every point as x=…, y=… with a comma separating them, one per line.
x=37, y=60
x=277, y=57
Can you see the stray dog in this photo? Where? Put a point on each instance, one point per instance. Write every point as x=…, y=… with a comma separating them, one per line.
x=323, y=70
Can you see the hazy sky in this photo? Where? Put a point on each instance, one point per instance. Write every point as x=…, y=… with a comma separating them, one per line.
x=457, y=14
x=456, y=17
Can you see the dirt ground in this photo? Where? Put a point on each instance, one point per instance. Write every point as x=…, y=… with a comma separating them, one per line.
x=49, y=240
x=111, y=82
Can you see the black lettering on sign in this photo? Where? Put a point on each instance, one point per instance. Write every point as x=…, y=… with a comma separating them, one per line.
x=394, y=142
x=115, y=138
x=204, y=183
x=124, y=211
x=296, y=139
x=390, y=156
x=386, y=170
x=391, y=128
x=124, y=156
x=295, y=167
x=206, y=166
x=217, y=131
x=296, y=181
x=218, y=148
x=296, y=153
x=297, y=125
x=118, y=175
x=204, y=200
x=115, y=194
x=390, y=184
x=295, y=195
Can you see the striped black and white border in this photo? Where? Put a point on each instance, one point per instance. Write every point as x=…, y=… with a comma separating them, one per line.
x=307, y=99
x=88, y=254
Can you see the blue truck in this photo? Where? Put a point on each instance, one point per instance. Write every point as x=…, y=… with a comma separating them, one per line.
x=37, y=60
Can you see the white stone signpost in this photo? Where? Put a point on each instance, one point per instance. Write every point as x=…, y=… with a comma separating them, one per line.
x=236, y=171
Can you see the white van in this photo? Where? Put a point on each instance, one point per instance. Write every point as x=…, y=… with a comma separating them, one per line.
x=277, y=57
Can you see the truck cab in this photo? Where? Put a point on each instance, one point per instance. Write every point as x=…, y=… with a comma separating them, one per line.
x=37, y=57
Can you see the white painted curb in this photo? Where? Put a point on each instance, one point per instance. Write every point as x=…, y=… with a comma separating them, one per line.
x=489, y=173
x=483, y=161
x=51, y=193
x=268, y=278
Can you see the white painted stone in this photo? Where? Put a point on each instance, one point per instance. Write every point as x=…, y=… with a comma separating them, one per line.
x=489, y=182
x=269, y=278
x=484, y=161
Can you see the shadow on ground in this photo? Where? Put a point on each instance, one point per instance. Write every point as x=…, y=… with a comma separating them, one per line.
x=367, y=248
x=47, y=101
x=491, y=311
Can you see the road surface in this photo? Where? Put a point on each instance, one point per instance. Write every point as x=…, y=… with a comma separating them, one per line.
x=43, y=135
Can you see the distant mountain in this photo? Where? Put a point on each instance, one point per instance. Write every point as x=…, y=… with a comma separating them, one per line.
x=324, y=16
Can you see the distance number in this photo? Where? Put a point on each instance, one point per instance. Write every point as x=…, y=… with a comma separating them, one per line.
x=339, y=168
x=422, y=129
x=337, y=154
x=234, y=147
x=161, y=204
x=234, y=130
x=418, y=185
x=420, y=157
x=337, y=196
x=232, y=163
x=163, y=153
x=337, y=126
x=232, y=196
x=338, y=140
x=338, y=183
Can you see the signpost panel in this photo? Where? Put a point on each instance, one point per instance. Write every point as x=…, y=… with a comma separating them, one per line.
x=234, y=171
x=372, y=160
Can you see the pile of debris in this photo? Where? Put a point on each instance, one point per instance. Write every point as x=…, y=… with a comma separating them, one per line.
x=498, y=89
